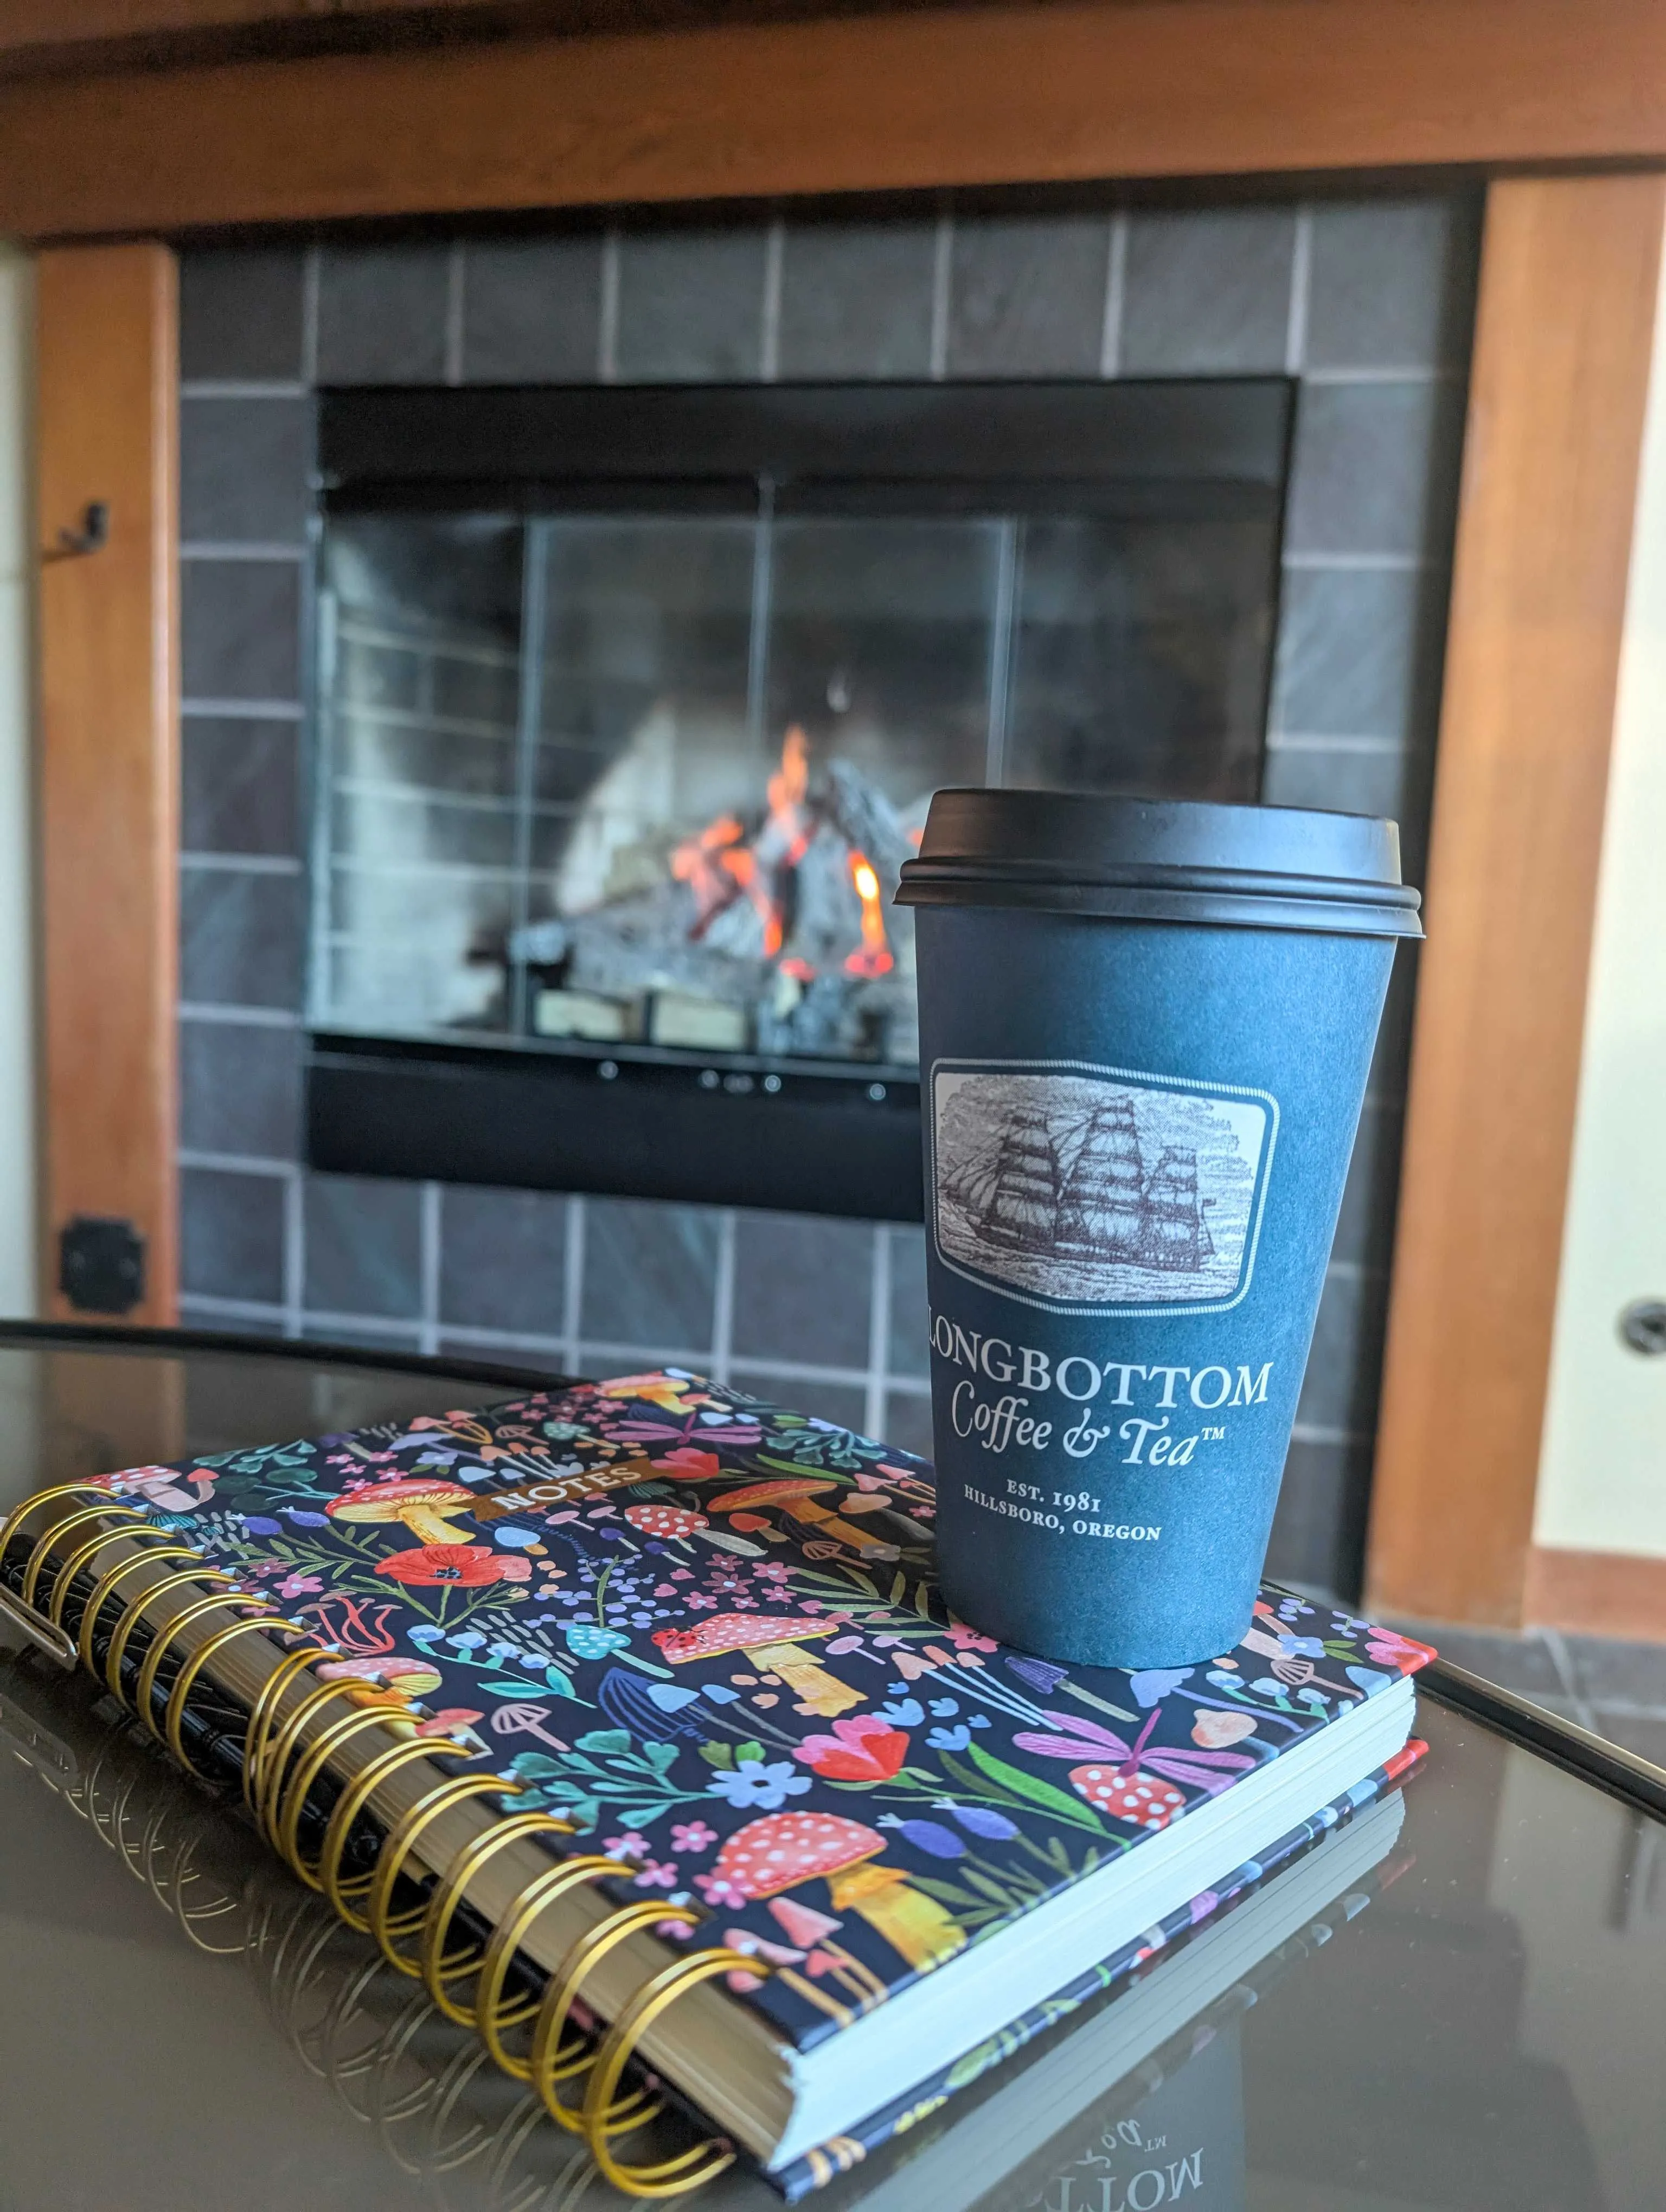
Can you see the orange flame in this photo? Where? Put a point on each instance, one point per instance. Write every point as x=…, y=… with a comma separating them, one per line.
x=874, y=957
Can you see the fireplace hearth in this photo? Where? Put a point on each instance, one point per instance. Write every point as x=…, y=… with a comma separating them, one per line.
x=627, y=706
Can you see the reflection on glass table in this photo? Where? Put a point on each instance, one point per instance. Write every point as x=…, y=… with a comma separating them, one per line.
x=1456, y=2001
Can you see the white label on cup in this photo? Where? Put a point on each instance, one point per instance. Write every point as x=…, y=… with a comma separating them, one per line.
x=1085, y=1189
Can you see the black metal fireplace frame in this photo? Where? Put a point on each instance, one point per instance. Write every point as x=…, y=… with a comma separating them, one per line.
x=737, y=1128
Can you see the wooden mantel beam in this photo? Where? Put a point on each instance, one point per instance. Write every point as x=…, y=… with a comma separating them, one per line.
x=920, y=99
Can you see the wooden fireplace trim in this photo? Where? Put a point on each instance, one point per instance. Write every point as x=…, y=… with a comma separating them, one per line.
x=106, y=409
x=1073, y=92
x=1564, y=340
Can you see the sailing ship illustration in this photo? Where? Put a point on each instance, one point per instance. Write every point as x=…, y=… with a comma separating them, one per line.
x=1105, y=1205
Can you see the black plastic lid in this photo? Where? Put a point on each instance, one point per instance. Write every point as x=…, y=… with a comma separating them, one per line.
x=1162, y=859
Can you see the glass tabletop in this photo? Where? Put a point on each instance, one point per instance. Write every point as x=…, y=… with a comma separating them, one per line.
x=1465, y=2007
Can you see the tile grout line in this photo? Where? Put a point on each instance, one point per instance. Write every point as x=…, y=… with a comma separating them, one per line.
x=294, y=1252
x=723, y=1297
x=243, y=864
x=201, y=1159
x=1301, y=267
x=236, y=1016
x=311, y=269
x=607, y=311
x=244, y=387
x=879, y=1332
x=242, y=549
x=242, y=710
x=942, y=266
x=429, y=1230
x=456, y=278
x=572, y=1284
x=1319, y=741
x=1116, y=265
x=775, y=254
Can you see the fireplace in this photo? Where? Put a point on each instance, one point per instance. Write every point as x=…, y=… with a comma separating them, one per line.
x=627, y=705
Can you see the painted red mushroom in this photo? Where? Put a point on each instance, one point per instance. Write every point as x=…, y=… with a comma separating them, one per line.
x=770, y=1641
x=798, y=1496
x=426, y=1505
x=1126, y=1794
x=678, y=1524
x=784, y=1849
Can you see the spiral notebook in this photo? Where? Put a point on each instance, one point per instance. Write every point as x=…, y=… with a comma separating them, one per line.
x=1146, y=2065
x=628, y=1718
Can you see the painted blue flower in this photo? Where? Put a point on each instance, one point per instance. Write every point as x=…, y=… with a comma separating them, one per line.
x=518, y=1539
x=1266, y=1685
x=944, y=1708
x=258, y=1525
x=1152, y=1684
x=426, y=1635
x=907, y=1712
x=751, y=1781
x=305, y=1520
x=949, y=1738
x=467, y=1639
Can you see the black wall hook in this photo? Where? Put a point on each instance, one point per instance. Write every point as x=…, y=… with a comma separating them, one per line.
x=93, y=532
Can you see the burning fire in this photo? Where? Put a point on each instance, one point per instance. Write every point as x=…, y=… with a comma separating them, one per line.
x=720, y=867
x=873, y=956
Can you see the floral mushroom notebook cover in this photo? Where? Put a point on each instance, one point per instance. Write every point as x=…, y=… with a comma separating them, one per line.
x=703, y=1632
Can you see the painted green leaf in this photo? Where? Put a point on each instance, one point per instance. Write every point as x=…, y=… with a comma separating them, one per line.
x=717, y=1754
x=532, y=1764
x=606, y=1742
x=1038, y=1792
x=745, y=1752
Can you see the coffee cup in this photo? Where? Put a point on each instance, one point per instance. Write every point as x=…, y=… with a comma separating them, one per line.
x=1146, y=1027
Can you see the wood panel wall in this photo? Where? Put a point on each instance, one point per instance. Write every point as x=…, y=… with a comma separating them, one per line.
x=107, y=406
x=1569, y=278
x=921, y=98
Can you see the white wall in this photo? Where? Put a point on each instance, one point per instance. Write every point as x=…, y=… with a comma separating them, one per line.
x=17, y=952
x=1602, y=1469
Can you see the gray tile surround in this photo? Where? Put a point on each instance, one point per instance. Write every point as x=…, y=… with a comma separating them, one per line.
x=1367, y=303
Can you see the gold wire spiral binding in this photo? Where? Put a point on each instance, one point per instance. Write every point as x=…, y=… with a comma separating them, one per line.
x=280, y=1748
x=133, y=1612
x=262, y=1716
x=672, y=2175
x=112, y=1581
x=506, y=1938
x=15, y=1520
x=72, y=1567
x=344, y=1890
x=389, y=1927
x=161, y=1642
x=280, y=1768
x=48, y=1542
x=440, y=1965
x=549, y=2063
x=289, y=1802
x=173, y=1718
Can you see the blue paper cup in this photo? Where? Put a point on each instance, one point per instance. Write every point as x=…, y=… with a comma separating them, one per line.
x=1145, y=1031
